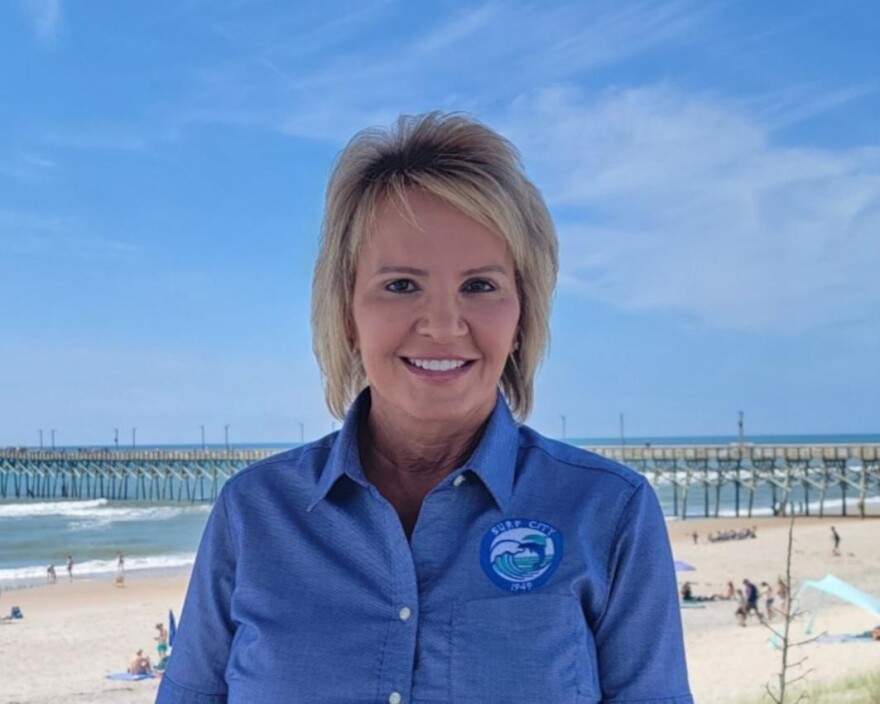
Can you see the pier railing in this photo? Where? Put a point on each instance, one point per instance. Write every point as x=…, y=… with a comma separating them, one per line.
x=747, y=477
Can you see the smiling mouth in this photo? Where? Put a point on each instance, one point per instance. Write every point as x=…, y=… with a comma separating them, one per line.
x=438, y=365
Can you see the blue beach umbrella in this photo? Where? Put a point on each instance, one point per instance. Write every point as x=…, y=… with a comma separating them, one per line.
x=172, y=628
x=681, y=566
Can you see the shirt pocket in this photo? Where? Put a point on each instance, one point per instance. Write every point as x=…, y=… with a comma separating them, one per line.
x=523, y=649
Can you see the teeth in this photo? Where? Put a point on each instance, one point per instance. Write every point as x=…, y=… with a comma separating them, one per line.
x=437, y=365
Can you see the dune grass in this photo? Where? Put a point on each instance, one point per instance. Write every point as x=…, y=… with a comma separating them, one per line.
x=854, y=689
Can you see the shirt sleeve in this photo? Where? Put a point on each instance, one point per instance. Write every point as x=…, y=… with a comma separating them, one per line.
x=196, y=668
x=639, y=638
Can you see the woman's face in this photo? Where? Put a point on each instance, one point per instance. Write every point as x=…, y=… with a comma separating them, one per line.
x=435, y=312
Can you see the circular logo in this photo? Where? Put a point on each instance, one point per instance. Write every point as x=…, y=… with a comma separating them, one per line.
x=520, y=554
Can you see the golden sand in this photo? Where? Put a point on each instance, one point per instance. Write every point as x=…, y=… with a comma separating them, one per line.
x=74, y=634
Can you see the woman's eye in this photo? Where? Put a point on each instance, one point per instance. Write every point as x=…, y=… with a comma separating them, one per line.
x=479, y=286
x=400, y=286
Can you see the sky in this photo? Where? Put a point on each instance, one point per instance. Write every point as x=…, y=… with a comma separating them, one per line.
x=713, y=170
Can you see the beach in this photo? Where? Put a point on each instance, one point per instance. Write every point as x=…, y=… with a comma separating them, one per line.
x=75, y=633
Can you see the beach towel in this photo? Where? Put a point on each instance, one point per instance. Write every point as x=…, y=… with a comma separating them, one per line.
x=846, y=638
x=128, y=677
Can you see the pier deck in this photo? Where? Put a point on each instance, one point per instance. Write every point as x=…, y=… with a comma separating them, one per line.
x=759, y=476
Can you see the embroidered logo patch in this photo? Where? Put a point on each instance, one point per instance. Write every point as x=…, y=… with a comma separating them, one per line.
x=520, y=554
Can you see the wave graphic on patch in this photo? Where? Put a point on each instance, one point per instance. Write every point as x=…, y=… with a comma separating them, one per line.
x=522, y=558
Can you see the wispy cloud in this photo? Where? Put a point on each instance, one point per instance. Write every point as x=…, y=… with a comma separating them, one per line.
x=519, y=47
x=24, y=234
x=45, y=17
x=683, y=203
x=104, y=137
x=28, y=167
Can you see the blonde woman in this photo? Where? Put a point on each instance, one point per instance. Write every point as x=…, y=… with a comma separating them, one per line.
x=434, y=549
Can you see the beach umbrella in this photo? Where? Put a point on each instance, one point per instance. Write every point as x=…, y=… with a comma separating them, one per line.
x=681, y=566
x=172, y=628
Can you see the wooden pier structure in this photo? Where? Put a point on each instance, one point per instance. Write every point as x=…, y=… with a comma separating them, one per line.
x=760, y=476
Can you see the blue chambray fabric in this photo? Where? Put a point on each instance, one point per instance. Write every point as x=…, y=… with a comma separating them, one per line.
x=304, y=571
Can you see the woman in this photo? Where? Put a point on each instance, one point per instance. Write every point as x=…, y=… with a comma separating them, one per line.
x=433, y=550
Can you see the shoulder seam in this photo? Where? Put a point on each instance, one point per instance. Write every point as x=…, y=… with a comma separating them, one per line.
x=596, y=466
x=614, y=542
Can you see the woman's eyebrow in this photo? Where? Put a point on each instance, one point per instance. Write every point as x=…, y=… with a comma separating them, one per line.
x=488, y=269
x=413, y=271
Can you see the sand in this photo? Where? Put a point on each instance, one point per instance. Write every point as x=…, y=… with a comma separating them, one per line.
x=74, y=634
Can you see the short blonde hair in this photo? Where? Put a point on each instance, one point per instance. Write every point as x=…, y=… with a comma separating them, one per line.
x=475, y=170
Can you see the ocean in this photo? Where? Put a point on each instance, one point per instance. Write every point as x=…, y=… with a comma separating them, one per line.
x=164, y=536
x=35, y=534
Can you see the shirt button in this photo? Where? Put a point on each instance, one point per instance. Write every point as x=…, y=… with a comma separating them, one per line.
x=395, y=698
x=458, y=481
x=404, y=613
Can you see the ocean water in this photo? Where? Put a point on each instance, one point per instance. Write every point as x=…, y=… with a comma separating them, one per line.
x=35, y=534
x=164, y=536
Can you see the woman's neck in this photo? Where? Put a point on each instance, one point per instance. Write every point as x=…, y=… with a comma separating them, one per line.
x=405, y=459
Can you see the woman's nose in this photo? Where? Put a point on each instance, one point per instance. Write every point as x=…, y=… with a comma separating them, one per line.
x=442, y=319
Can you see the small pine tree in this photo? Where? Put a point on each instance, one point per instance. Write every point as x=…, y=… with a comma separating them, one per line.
x=784, y=639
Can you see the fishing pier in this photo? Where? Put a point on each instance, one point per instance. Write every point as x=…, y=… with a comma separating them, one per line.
x=692, y=480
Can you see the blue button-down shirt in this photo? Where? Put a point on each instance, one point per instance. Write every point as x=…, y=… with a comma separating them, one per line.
x=536, y=572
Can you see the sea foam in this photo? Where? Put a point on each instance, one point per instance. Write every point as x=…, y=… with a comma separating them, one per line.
x=92, y=568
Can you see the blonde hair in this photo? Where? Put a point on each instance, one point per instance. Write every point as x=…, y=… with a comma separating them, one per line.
x=475, y=170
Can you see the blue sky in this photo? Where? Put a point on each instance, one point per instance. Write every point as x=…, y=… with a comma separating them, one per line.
x=713, y=169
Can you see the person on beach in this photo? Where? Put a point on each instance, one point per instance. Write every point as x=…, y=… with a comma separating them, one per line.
x=742, y=611
x=51, y=577
x=120, y=570
x=751, y=597
x=728, y=594
x=161, y=639
x=782, y=595
x=140, y=664
x=767, y=593
x=70, y=567
x=433, y=549
x=835, y=538
x=686, y=592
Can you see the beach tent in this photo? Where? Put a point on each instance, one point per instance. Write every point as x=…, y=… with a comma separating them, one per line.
x=842, y=590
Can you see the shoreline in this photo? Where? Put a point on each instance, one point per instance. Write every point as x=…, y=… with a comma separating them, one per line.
x=81, y=631
x=146, y=573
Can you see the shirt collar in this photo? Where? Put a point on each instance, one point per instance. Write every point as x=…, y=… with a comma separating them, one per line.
x=493, y=460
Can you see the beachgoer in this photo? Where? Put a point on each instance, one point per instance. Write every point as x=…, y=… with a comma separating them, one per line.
x=161, y=639
x=51, y=577
x=687, y=593
x=751, y=597
x=140, y=664
x=742, y=608
x=120, y=570
x=835, y=538
x=767, y=593
x=70, y=567
x=782, y=595
x=696, y=537
x=729, y=592
x=433, y=549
